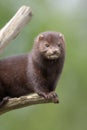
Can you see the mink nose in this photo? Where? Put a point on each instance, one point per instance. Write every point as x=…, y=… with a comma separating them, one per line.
x=56, y=51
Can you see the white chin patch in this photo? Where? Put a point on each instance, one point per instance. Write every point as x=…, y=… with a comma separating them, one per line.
x=52, y=57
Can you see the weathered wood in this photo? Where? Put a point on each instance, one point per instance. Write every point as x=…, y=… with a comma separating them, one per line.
x=14, y=26
x=23, y=101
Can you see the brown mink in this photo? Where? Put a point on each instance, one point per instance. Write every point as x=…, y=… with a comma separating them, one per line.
x=36, y=72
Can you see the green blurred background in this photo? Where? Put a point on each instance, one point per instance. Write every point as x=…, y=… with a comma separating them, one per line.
x=70, y=18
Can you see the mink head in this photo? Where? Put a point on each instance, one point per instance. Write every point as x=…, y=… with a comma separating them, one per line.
x=50, y=45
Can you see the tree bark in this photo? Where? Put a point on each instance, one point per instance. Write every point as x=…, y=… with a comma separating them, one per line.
x=23, y=101
x=14, y=26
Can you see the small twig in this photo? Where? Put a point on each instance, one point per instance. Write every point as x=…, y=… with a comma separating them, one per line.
x=14, y=26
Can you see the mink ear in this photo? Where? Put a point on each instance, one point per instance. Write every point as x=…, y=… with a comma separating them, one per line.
x=40, y=37
x=61, y=36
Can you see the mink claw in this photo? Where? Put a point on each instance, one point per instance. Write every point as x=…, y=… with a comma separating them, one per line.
x=54, y=97
x=4, y=100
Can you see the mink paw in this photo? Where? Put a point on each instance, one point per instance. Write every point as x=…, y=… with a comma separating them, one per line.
x=54, y=96
x=51, y=95
x=4, y=100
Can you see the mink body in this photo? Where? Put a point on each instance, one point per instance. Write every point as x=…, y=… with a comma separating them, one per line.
x=36, y=72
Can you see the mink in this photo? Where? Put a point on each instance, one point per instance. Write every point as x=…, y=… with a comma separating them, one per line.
x=34, y=72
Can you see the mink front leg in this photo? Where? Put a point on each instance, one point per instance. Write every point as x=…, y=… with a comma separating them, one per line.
x=41, y=88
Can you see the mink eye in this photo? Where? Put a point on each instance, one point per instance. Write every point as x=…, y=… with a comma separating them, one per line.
x=59, y=44
x=47, y=44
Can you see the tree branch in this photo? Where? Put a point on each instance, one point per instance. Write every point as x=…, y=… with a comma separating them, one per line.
x=7, y=34
x=23, y=101
x=14, y=26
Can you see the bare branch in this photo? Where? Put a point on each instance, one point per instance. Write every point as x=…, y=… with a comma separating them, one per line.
x=14, y=26
x=23, y=101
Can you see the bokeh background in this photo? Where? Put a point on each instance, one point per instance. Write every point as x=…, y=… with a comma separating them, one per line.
x=70, y=18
